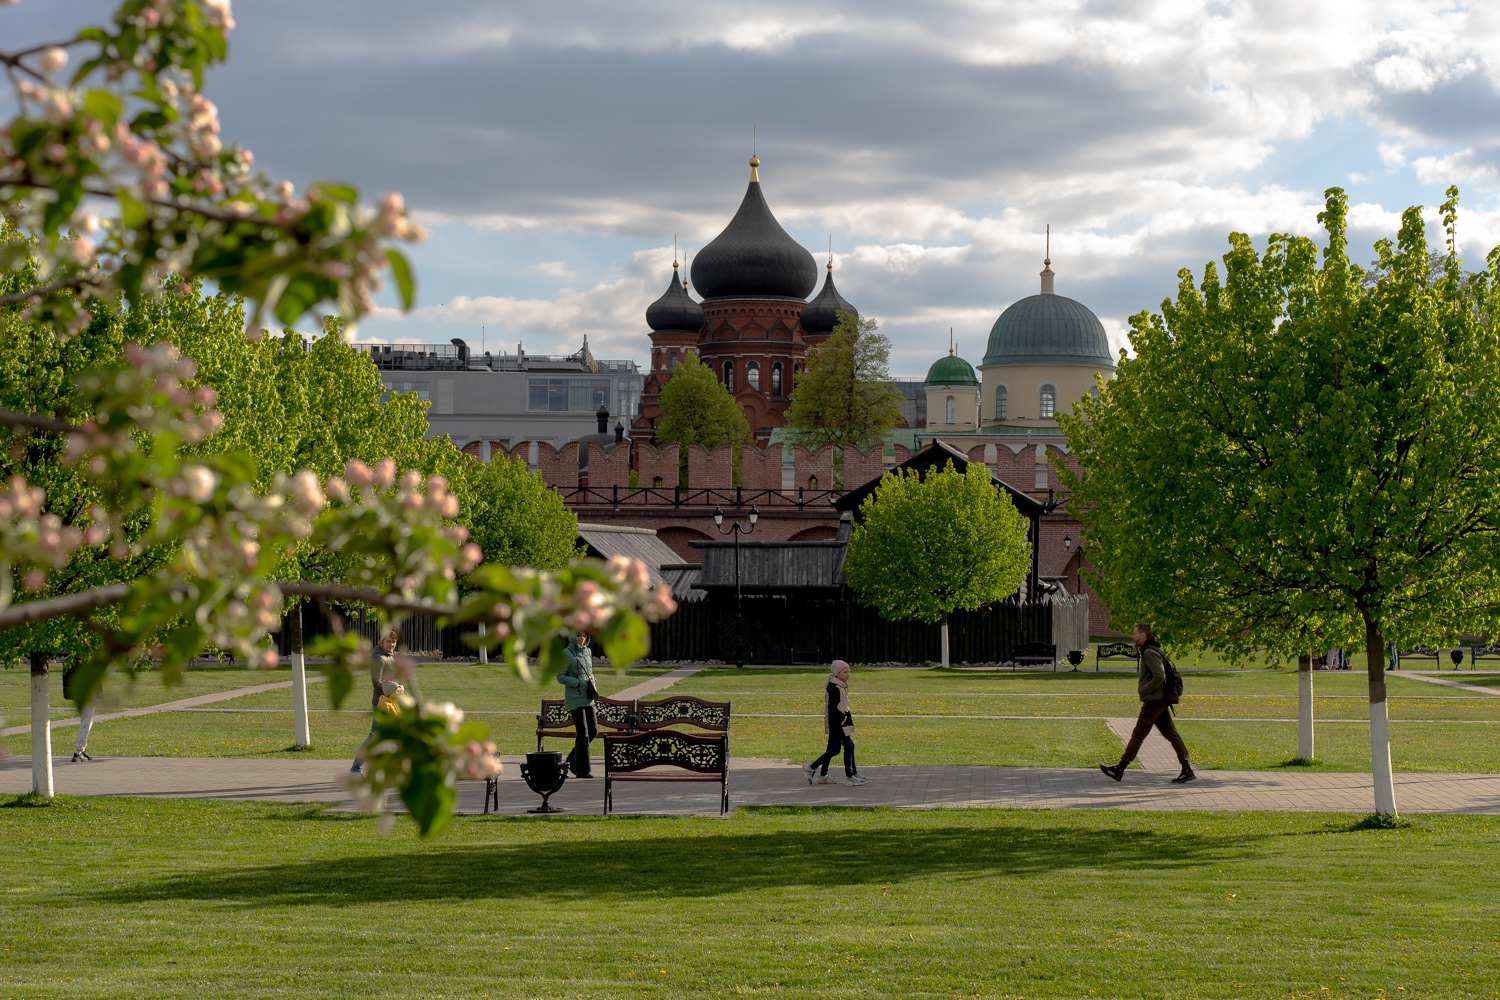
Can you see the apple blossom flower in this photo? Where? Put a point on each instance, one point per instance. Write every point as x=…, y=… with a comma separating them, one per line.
x=54, y=59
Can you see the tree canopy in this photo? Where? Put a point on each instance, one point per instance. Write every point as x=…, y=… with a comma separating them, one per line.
x=517, y=519
x=697, y=409
x=844, y=396
x=929, y=546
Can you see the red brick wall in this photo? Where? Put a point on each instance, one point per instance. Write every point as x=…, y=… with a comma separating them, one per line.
x=711, y=470
x=810, y=464
x=609, y=467
x=558, y=468
x=652, y=462
x=761, y=470
x=862, y=466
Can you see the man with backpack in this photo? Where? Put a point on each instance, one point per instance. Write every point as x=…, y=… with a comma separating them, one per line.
x=1160, y=687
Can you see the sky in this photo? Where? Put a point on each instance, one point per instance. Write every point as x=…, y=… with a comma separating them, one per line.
x=554, y=150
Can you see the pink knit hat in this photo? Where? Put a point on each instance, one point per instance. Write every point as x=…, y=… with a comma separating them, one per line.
x=839, y=667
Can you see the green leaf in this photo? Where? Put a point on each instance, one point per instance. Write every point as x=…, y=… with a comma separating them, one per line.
x=338, y=192
x=132, y=212
x=626, y=639
x=401, y=271
x=103, y=105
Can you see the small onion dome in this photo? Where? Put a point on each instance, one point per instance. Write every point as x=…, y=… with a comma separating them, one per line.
x=951, y=371
x=820, y=315
x=754, y=256
x=675, y=310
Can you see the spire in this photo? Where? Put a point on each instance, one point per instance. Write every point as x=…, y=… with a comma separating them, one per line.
x=830, y=253
x=1047, y=265
x=754, y=170
x=950, y=341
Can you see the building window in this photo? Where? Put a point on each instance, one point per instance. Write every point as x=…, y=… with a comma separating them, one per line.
x=729, y=376
x=561, y=395
x=776, y=379
x=812, y=482
x=672, y=361
x=752, y=374
x=1049, y=401
x=950, y=411
x=420, y=388
x=656, y=483
x=1000, y=402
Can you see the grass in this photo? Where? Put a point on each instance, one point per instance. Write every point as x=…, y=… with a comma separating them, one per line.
x=1453, y=747
x=147, y=689
x=126, y=898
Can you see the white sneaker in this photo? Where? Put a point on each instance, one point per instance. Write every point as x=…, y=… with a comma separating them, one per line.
x=857, y=780
x=826, y=780
x=808, y=770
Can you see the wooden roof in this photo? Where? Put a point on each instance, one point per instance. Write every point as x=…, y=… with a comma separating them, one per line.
x=935, y=456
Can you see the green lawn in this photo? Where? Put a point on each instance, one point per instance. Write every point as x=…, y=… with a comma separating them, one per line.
x=15, y=688
x=130, y=898
x=1415, y=746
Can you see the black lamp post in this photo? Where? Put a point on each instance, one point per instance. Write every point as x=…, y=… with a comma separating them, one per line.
x=1068, y=547
x=736, y=528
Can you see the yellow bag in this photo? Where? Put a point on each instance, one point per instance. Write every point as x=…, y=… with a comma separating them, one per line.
x=387, y=704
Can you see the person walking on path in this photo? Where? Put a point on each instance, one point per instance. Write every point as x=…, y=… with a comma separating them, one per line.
x=578, y=678
x=85, y=718
x=383, y=683
x=1155, y=709
x=838, y=723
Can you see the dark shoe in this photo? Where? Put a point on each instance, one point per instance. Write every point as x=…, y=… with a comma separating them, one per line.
x=583, y=775
x=77, y=756
x=1186, y=775
x=356, y=768
x=86, y=755
x=1116, y=771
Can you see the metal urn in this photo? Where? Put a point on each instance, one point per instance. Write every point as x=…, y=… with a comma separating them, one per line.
x=1075, y=657
x=544, y=772
x=1457, y=655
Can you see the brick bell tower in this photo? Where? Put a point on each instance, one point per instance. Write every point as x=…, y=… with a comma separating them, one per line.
x=755, y=279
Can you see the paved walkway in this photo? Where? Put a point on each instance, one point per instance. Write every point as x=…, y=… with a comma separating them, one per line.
x=1446, y=683
x=166, y=706
x=658, y=683
x=759, y=781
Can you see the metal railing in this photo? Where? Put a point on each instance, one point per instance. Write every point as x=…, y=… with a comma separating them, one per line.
x=800, y=498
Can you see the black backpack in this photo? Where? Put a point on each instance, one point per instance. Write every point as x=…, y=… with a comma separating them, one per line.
x=1172, y=686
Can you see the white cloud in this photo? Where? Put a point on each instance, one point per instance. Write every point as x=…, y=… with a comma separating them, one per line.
x=1392, y=154
x=556, y=269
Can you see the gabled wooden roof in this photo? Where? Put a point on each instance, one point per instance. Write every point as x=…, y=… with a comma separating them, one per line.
x=935, y=456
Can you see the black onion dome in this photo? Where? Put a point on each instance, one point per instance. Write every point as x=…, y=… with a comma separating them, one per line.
x=754, y=256
x=821, y=314
x=675, y=310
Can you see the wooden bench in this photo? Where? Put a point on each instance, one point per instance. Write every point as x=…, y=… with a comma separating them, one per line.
x=1115, y=651
x=555, y=722
x=1035, y=652
x=1477, y=653
x=1419, y=653
x=637, y=756
x=681, y=710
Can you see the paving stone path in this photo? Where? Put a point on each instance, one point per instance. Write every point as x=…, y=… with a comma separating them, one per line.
x=764, y=782
x=166, y=706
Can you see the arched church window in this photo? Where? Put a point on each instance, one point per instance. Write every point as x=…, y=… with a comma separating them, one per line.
x=776, y=379
x=752, y=374
x=672, y=361
x=812, y=482
x=729, y=375
x=950, y=411
x=1049, y=401
x=1000, y=402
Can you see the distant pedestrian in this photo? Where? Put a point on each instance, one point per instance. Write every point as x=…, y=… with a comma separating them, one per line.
x=85, y=718
x=383, y=684
x=578, y=678
x=1155, y=709
x=838, y=723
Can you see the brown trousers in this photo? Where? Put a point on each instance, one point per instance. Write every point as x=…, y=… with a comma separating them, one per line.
x=1154, y=713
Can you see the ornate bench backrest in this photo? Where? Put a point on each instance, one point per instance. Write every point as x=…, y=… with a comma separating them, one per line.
x=1034, y=651
x=611, y=714
x=703, y=753
x=1116, y=651
x=683, y=710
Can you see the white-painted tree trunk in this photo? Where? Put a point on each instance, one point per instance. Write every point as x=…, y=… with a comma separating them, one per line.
x=41, y=731
x=945, y=642
x=301, y=731
x=1380, y=759
x=1305, y=709
x=484, y=653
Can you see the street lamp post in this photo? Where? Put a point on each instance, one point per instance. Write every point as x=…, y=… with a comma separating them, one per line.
x=736, y=528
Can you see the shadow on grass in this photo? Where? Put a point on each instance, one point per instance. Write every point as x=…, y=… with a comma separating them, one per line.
x=633, y=859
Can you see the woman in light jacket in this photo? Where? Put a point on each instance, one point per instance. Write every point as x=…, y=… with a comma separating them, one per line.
x=382, y=682
x=578, y=677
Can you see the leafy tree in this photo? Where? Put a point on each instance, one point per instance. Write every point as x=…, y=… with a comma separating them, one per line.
x=132, y=129
x=1297, y=454
x=518, y=520
x=697, y=409
x=845, y=396
x=929, y=546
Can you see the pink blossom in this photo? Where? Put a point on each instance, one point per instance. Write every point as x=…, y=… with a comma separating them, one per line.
x=54, y=59
x=359, y=473
x=149, y=18
x=385, y=473
x=35, y=580
x=57, y=152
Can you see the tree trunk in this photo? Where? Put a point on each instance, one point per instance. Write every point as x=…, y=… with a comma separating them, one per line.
x=41, y=727
x=1380, y=723
x=1304, y=707
x=484, y=652
x=944, y=632
x=301, y=732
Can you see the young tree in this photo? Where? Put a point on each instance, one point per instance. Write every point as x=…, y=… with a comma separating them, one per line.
x=132, y=129
x=1297, y=455
x=518, y=520
x=930, y=546
x=845, y=396
x=697, y=409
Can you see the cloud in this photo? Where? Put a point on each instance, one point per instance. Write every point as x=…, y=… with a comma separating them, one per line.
x=556, y=269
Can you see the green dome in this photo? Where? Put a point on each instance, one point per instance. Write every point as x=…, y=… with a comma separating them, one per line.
x=1048, y=329
x=951, y=371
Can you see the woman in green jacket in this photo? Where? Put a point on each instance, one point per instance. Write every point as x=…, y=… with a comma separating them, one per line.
x=578, y=678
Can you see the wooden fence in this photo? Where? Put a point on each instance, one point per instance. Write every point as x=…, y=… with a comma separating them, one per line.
x=419, y=635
